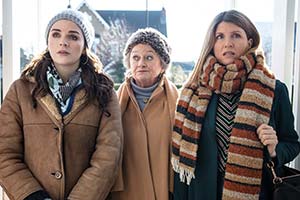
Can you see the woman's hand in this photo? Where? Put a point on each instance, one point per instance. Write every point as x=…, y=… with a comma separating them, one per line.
x=268, y=137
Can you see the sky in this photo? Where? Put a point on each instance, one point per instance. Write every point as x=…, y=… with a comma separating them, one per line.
x=187, y=20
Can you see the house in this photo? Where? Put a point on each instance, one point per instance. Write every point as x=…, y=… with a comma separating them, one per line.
x=138, y=19
x=134, y=19
x=97, y=21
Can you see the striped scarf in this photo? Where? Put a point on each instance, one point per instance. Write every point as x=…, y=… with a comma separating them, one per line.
x=245, y=153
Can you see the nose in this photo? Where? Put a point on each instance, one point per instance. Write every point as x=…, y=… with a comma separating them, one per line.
x=63, y=43
x=141, y=63
x=228, y=43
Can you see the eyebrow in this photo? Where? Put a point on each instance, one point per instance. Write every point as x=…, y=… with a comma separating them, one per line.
x=237, y=31
x=230, y=32
x=150, y=51
x=71, y=31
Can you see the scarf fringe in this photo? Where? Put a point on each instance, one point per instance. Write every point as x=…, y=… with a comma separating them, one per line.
x=184, y=174
x=175, y=164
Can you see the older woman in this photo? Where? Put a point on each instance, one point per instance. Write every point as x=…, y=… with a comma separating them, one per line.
x=147, y=102
x=231, y=116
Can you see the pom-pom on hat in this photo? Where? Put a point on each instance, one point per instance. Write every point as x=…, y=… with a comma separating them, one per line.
x=151, y=37
x=79, y=19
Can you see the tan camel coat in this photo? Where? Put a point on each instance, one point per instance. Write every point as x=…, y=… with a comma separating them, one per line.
x=74, y=157
x=146, y=170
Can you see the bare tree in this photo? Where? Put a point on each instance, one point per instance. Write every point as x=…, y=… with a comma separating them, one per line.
x=110, y=49
x=176, y=74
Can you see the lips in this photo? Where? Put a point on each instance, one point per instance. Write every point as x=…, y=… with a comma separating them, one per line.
x=62, y=52
x=228, y=53
x=142, y=71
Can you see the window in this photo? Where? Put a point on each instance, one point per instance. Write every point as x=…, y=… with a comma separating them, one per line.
x=261, y=14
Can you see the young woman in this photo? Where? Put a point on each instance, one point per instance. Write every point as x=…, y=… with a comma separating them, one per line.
x=60, y=123
x=231, y=116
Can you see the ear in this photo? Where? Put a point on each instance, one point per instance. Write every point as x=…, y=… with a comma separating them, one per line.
x=250, y=42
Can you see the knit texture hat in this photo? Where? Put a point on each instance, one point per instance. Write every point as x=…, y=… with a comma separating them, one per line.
x=151, y=37
x=79, y=19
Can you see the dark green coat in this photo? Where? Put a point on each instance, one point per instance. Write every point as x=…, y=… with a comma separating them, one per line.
x=207, y=184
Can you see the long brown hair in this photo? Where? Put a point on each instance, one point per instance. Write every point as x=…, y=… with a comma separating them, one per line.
x=96, y=84
x=231, y=16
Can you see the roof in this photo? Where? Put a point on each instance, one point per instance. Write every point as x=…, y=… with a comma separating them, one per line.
x=138, y=19
x=99, y=18
x=134, y=19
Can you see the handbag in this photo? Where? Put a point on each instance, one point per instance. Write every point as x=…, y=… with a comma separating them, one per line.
x=286, y=187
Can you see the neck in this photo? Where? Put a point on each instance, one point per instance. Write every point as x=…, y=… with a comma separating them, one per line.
x=66, y=73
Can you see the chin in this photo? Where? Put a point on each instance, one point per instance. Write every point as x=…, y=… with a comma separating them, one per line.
x=227, y=62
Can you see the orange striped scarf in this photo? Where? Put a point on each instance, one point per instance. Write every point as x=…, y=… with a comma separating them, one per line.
x=245, y=154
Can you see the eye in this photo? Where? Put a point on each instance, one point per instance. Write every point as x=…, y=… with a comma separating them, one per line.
x=135, y=57
x=236, y=35
x=219, y=36
x=73, y=37
x=149, y=57
x=55, y=34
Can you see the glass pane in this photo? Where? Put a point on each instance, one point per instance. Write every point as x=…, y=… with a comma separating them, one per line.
x=27, y=29
x=262, y=17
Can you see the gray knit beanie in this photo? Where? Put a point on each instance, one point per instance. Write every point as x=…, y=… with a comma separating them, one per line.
x=79, y=19
x=151, y=37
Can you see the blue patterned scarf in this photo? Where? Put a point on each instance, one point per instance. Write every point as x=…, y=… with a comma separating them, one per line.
x=62, y=92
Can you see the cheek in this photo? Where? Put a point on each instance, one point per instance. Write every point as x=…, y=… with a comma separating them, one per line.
x=216, y=49
x=78, y=52
x=132, y=66
x=243, y=49
x=51, y=49
x=157, y=69
x=80, y=47
x=53, y=41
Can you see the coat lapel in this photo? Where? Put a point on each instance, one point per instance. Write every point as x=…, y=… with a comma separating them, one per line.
x=49, y=105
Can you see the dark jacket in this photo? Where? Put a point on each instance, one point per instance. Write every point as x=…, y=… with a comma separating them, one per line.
x=207, y=184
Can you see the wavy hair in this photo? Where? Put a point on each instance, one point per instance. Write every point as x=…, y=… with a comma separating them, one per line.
x=96, y=84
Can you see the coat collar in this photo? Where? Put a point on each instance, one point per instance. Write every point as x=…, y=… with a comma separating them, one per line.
x=49, y=105
x=170, y=90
